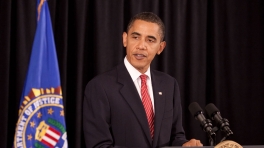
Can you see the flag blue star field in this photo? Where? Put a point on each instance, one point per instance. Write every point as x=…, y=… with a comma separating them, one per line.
x=41, y=120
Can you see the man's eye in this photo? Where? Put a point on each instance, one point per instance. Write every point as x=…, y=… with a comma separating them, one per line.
x=151, y=41
x=135, y=37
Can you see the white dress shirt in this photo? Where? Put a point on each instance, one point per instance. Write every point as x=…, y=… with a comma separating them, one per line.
x=135, y=75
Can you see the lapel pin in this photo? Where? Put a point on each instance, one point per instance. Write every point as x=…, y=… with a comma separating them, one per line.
x=160, y=93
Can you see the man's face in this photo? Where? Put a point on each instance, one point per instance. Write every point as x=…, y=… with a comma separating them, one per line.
x=142, y=42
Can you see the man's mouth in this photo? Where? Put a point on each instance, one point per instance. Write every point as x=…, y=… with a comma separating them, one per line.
x=139, y=56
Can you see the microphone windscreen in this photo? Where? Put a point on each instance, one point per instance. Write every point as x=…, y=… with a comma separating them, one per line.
x=211, y=109
x=194, y=108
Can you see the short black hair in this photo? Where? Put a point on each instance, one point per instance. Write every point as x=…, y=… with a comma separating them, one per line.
x=148, y=17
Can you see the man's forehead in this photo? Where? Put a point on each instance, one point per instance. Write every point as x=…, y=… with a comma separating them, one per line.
x=141, y=27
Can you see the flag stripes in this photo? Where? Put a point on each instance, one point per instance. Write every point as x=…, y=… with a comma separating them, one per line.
x=51, y=137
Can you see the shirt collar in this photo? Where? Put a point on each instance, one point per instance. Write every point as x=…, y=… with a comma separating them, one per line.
x=134, y=73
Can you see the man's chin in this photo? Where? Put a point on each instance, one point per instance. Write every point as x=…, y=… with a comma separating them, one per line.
x=141, y=68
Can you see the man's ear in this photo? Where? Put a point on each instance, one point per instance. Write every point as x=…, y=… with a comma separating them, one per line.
x=124, y=39
x=162, y=46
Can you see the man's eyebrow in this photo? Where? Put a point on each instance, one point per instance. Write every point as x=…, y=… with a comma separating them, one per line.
x=152, y=37
x=149, y=36
x=135, y=33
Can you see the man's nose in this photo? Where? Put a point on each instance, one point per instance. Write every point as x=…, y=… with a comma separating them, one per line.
x=141, y=45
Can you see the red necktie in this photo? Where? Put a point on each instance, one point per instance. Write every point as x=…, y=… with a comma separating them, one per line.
x=147, y=104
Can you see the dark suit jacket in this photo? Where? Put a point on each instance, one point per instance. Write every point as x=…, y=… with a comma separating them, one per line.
x=113, y=114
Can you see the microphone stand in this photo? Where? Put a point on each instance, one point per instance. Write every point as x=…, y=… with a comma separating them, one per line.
x=224, y=127
x=207, y=126
x=211, y=140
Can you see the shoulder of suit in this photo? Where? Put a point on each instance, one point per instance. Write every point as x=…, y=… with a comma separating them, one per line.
x=108, y=74
x=162, y=74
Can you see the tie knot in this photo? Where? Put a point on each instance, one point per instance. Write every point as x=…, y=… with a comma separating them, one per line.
x=143, y=77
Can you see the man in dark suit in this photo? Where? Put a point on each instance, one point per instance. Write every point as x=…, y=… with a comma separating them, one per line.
x=124, y=109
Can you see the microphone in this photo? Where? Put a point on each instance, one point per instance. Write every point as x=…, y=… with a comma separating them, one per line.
x=205, y=124
x=215, y=115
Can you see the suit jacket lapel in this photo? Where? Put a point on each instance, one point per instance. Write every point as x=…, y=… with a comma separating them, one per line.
x=130, y=94
x=159, y=101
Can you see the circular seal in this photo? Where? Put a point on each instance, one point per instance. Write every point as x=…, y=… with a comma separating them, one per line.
x=41, y=123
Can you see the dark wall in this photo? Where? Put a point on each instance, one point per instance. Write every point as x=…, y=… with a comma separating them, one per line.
x=214, y=49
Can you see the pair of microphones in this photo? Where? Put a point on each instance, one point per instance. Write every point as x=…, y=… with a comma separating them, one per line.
x=207, y=125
